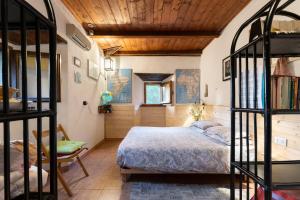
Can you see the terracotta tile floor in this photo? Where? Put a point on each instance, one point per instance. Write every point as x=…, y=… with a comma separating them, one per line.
x=104, y=182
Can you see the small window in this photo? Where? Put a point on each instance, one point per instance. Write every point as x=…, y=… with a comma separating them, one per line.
x=153, y=93
x=157, y=93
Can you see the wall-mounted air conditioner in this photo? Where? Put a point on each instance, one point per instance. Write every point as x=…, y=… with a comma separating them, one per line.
x=79, y=38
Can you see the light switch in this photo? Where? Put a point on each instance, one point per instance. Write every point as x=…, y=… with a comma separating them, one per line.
x=281, y=141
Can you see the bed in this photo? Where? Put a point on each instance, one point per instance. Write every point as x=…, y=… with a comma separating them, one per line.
x=17, y=182
x=174, y=150
x=16, y=170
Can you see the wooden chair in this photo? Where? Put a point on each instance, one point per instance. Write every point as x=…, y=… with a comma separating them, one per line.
x=62, y=158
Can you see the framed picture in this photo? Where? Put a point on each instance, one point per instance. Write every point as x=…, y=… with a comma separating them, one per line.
x=93, y=70
x=226, y=69
x=77, y=62
x=77, y=77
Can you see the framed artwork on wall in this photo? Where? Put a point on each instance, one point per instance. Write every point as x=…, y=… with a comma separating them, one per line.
x=93, y=70
x=119, y=82
x=226, y=69
x=187, y=86
x=77, y=77
x=77, y=62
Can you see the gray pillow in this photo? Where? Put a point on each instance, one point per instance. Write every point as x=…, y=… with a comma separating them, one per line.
x=205, y=124
x=223, y=134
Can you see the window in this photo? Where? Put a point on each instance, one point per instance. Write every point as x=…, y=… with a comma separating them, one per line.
x=157, y=93
x=153, y=93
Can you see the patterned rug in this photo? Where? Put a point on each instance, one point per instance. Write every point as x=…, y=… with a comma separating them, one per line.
x=160, y=191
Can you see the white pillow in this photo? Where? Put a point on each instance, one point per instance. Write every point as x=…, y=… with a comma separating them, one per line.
x=205, y=124
x=223, y=134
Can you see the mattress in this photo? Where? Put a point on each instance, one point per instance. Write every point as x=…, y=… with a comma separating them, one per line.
x=17, y=182
x=174, y=150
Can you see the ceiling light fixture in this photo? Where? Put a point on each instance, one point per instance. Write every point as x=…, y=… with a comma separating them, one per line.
x=108, y=64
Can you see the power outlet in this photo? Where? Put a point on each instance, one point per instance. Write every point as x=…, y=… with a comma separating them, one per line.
x=281, y=141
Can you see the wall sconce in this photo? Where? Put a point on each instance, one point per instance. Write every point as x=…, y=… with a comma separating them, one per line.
x=206, y=91
x=108, y=64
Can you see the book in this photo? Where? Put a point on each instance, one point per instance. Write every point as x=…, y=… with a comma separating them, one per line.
x=274, y=92
x=285, y=93
x=291, y=92
x=298, y=99
x=296, y=85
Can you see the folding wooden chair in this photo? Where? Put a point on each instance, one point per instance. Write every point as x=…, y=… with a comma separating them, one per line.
x=62, y=158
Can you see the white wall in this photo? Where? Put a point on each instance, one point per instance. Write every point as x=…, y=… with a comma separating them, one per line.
x=81, y=122
x=219, y=48
x=153, y=64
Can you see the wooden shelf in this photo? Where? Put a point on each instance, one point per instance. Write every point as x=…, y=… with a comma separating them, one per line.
x=105, y=109
x=285, y=174
x=279, y=76
x=282, y=45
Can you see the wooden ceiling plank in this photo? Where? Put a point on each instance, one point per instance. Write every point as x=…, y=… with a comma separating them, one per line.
x=141, y=11
x=178, y=44
x=194, y=44
x=95, y=11
x=210, y=22
x=123, y=44
x=185, y=5
x=106, y=9
x=144, y=44
x=106, y=44
x=116, y=10
x=149, y=4
x=124, y=11
x=230, y=15
x=127, y=44
x=192, y=11
x=137, y=44
x=149, y=43
x=165, y=43
x=171, y=43
x=203, y=11
x=74, y=6
x=158, y=9
x=167, y=9
x=131, y=43
x=184, y=44
x=176, y=4
x=133, y=11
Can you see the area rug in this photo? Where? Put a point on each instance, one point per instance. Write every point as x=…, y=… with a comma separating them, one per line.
x=161, y=191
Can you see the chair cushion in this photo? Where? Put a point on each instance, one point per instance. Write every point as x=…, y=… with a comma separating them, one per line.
x=66, y=147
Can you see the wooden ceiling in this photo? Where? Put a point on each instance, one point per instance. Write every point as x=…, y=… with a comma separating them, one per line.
x=155, y=26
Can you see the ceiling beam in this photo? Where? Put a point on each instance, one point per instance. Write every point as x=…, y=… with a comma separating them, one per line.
x=154, y=34
x=160, y=53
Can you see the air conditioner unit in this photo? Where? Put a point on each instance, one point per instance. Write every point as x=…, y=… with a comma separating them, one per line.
x=76, y=35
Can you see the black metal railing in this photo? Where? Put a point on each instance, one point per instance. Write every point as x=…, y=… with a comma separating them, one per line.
x=260, y=172
x=36, y=22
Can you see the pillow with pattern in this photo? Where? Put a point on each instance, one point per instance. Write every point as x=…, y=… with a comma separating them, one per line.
x=205, y=124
